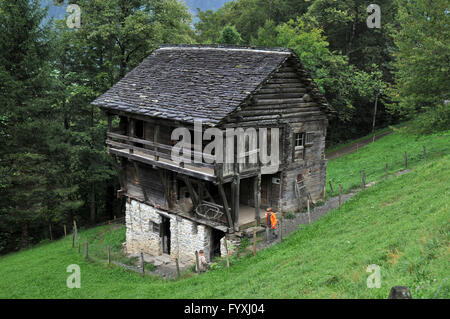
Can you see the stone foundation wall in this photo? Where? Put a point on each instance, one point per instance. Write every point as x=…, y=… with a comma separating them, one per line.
x=185, y=236
x=140, y=236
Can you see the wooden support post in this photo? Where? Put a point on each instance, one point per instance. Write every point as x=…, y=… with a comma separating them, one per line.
x=197, y=269
x=142, y=264
x=155, y=139
x=254, y=242
x=257, y=198
x=331, y=187
x=406, y=160
x=424, y=154
x=340, y=195
x=387, y=170
x=225, y=241
x=225, y=205
x=191, y=190
x=73, y=240
x=109, y=122
x=109, y=254
x=363, y=179
x=236, y=202
x=178, y=268
x=79, y=248
x=87, y=250
x=65, y=231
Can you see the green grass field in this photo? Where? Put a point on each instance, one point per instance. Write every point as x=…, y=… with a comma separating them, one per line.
x=401, y=224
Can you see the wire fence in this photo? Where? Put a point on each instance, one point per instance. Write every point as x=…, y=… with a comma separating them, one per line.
x=374, y=169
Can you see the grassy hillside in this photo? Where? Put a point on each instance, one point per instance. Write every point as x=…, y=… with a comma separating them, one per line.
x=401, y=224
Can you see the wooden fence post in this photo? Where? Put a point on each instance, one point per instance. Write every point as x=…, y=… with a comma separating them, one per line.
x=79, y=247
x=87, y=250
x=424, y=154
x=254, y=242
x=340, y=195
x=142, y=264
x=197, y=269
x=406, y=160
x=387, y=170
x=65, y=231
x=331, y=186
x=109, y=254
x=73, y=240
x=75, y=229
x=178, y=267
x=363, y=179
x=226, y=250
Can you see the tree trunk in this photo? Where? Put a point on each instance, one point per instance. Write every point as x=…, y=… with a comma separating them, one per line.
x=374, y=117
x=50, y=231
x=353, y=32
x=24, y=239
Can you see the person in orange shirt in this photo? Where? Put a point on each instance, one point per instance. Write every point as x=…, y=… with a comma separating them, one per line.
x=271, y=224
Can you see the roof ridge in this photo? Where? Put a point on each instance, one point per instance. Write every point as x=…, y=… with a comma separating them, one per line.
x=227, y=47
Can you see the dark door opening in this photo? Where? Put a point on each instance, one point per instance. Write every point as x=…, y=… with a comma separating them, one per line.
x=165, y=235
x=216, y=235
x=139, y=131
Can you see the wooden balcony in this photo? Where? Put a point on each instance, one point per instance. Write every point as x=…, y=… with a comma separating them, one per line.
x=159, y=155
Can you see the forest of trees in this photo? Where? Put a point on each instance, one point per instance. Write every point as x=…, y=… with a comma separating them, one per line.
x=53, y=163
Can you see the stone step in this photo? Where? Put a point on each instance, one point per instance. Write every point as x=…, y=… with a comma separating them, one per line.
x=249, y=231
x=164, y=259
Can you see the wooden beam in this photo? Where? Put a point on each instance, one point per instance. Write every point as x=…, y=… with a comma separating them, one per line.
x=205, y=189
x=225, y=205
x=186, y=171
x=164, y=181
x=138, y=175
x=194, y=195
x=257, y=191
x=155, y=139
x=236, y=182
x=120, y=173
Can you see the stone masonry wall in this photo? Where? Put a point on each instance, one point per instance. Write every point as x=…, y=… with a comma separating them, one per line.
x=139, y=234
x=185, y=236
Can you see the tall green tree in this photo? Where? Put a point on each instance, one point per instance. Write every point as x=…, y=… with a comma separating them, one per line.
x=230, y=35
x=422, y=81
x=30, y=161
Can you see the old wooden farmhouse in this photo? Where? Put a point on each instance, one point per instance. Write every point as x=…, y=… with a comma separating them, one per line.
x=175, y=207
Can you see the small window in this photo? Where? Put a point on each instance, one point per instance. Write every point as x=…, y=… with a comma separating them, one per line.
x=309, y=138
x=155, y=227
x=299, y=139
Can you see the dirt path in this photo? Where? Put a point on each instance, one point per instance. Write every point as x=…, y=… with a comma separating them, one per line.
x=355, y=146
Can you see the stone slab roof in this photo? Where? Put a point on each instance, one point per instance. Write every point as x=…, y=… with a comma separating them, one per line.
x=192, y=82
x=188, y=82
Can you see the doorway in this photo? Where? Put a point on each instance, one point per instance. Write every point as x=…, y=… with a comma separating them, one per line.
x=216, y=236
x=165, y=235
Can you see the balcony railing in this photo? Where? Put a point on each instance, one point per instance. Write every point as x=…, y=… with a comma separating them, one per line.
x=160, y=155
